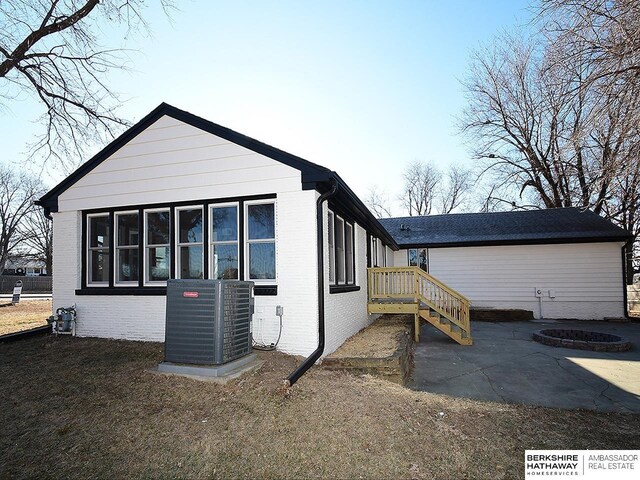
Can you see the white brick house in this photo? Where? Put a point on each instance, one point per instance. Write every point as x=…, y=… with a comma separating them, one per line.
x=177, y=196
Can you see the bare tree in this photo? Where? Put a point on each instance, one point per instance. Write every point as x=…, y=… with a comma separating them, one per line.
x=36, y=231
x=378, y=202
x=51, y=51
x=454, y=190
x=17, y=193
x=420, y=188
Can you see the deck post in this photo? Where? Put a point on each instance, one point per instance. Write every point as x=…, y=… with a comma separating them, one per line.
x=416, y=327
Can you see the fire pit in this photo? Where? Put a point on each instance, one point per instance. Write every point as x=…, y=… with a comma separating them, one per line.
x=582, y=340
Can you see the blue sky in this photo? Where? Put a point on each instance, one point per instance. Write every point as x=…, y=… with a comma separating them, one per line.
x=361, y=87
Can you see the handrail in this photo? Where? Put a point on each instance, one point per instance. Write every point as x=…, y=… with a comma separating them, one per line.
x=414, y=283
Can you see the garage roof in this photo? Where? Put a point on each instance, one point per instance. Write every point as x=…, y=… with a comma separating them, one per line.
x=557, y=225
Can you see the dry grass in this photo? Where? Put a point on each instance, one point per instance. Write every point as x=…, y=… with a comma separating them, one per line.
x=83, y=408
x=23, y=316
x=378, y=340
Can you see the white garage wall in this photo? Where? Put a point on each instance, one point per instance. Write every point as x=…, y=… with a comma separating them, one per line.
x=586, y=277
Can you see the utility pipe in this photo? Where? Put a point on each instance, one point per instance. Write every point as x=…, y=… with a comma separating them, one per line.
x=317, y=353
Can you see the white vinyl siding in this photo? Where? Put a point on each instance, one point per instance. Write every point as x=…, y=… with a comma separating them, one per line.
x=586, y=277
x=173, y=160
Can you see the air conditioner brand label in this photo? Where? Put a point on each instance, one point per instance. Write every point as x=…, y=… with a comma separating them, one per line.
x=190, y=294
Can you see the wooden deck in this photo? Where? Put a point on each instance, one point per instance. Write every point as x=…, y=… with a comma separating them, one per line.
x=412, y=290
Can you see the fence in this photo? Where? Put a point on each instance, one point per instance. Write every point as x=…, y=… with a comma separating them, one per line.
x=29, y=284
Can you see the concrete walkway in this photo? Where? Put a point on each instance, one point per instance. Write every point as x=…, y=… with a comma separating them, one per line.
x=506, y=365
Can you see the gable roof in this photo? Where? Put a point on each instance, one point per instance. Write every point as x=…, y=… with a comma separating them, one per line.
x=557, y=225
x=314, y=176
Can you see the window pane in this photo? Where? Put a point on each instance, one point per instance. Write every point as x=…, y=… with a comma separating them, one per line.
x=99, y=231
x=127, y=229
x=262, y=260
x=224, y=224
x=349, y=249
x=99, y=266
x=157, y=228
x=332, y=251
x=340, y=249
x=261, y=221
x=225, y=261
x=413, y=257
x=158, y=263
x=127, y=265
x=191, y=262
x=190, y=222
x=423, y=259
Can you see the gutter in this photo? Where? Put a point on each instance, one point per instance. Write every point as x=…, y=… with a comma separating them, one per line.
x=317, y=353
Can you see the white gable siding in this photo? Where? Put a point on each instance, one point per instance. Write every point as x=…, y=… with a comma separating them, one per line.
x=586, y=278
x=173, y=160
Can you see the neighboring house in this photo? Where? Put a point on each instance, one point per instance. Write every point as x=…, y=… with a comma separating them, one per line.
x=177, y=196
x=500, y=260
x=30, y=268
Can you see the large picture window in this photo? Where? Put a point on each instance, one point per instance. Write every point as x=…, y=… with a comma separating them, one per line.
x=127, y=248
x=157, y=246
x=99, y=235
x=224, y=242
x=190, y=253
x=261, y=241
x=134, y=250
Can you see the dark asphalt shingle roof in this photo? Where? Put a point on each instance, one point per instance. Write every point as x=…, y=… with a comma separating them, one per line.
x=558, y=225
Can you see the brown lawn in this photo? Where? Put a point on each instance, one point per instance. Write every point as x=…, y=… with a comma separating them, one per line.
x=83, y=408
x=23, y=316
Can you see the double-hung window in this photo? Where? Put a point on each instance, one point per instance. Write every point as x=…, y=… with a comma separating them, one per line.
x=127, y=250
x=224, y=241
x=261, y=241
x=99, y=239
x=157, y=246
x=189, y=243
x=332, y=249
x=341, y=241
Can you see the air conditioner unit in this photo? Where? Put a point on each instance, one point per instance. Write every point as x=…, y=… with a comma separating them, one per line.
x=208, y=321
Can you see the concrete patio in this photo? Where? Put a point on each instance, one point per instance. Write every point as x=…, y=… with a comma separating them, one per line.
x=506, y=365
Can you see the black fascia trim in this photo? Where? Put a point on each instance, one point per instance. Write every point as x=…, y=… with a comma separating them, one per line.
x=495, y=243
x=258, y=290
x=311, y=172
x=343, y=288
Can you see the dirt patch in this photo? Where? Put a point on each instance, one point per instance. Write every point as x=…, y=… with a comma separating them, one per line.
x=83, y=408
x=25, y=315
x=378, y=340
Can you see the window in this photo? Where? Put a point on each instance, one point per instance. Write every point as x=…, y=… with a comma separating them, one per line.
x=332, y=250
x=136, y=250
x=374, y=252
x=189, y=246
x=340, y=258
x=224, y=242
x=418, y=257
x=127, y=250
x=341, y=242
x=98, y=255
x=349, y=252
x=261, y=241
x=157, y=246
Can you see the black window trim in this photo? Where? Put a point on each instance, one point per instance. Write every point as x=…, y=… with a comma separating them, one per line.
x=141, y=288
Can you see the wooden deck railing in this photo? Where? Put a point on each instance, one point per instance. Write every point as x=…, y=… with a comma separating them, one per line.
x=414, y=284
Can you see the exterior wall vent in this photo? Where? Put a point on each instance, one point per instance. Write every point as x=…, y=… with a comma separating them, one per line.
x=208, y=321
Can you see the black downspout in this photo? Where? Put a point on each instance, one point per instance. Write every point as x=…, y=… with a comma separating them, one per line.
x=308, y=363
x=625, y=278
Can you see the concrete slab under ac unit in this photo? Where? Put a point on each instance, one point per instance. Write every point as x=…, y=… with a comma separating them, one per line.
x=211, y=373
